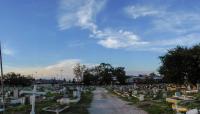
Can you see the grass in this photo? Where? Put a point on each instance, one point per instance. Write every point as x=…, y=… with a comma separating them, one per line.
x=150, y=106
x=82, y=106
x=153, y=107
x=75, y=108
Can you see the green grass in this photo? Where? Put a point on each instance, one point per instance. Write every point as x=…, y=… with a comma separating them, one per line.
x=82, y=106
x=150, y=106
x=153, y=107
x=75, y=108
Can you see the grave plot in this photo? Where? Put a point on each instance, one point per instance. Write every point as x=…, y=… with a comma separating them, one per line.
x=148, y=97
x=45, y=100
x=55, y=108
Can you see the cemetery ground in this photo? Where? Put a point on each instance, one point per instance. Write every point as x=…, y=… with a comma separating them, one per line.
x=106, y=103
x=155, y=99
x=115, y=99
x=150, y=106
x=51, y=101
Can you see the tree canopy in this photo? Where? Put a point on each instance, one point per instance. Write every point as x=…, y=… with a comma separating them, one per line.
x=181, y=65
x=104, y=74
x=13, y=79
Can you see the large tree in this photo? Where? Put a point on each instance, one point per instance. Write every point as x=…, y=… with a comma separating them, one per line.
x=13, y=79
x=181, y=65
x=78, y=71
x=104, y=74
x=120, y=74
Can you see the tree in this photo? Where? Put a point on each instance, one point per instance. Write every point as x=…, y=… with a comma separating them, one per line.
x=88, y=78
x=78, y=71
x=13, y=79
x=181, y=65
x=104, y=74
x=173, y=65
x=120, y=73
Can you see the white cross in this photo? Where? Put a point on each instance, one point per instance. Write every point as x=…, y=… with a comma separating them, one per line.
x=34, y=93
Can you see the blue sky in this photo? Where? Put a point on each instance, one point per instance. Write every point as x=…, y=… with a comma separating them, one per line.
x=45, y=36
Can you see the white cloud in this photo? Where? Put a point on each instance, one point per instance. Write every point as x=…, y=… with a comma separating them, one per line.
x=82, y=13
x=168, y=43
x=166, y=20
x=62, y=64
x=187, y=40
x=49, y=71
x=136, y=11
x=79, y=13
x=182, y=25
x=118, y=39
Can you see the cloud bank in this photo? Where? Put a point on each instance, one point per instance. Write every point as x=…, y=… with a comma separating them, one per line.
x=181, y=24
x=59, y=70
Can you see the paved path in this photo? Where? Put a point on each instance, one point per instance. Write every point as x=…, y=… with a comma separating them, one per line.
x=105, y=103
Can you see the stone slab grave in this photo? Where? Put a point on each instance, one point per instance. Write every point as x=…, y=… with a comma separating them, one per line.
x=16, y=93
x=76, y=94
x=55, y=109
x=193, y=111
x=141, y=97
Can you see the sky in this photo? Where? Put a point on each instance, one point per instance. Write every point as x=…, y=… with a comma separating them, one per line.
x=43, y=37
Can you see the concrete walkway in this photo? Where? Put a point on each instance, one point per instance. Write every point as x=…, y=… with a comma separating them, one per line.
x=105, y=103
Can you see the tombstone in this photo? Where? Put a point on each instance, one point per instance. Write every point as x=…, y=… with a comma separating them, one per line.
x=135, y=86
x=6, y=95
x=23, y=100
x=135, y=92
x=141, y=97
x=193, y=111
x=16, y=93
x=154, y=90
x=177, y=94
x=74, y=93
x=164, y=95
x=198, y=86
x=188, y=87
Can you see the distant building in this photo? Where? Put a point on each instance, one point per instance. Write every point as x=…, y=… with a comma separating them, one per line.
x=143, y=78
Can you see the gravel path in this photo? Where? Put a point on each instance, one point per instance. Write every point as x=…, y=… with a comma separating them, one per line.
x=104, y=103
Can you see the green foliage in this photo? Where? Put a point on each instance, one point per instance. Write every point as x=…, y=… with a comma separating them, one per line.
x=104, y=74
x=181, y=64
x=82, y=106
x=13, y=79
x=156, y=108
x=75, y=108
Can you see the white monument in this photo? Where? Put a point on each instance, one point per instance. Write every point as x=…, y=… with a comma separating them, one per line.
x=16, y=93
x=34, y=93
x=193, y=111
x=141, y=97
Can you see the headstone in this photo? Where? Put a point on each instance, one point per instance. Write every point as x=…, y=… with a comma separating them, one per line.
x=6, y=94
x=193, y=111
x=135, y=92
x=135, y=86
x=177, y=94
x=141, y=97
x=16, y=93
x=74, y=93
x=198, y=86
x=164, y=95
x=154, y=90
x=189, y=87
x=23, y=100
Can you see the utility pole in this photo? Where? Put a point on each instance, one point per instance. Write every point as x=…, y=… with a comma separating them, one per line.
x=2, y=79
